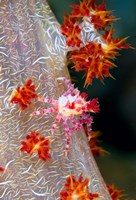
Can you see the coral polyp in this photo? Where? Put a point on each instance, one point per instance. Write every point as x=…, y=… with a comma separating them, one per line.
x=77, y=189
x=23, y=95
x=115, y=193
x=35, y=143
x=94, y=56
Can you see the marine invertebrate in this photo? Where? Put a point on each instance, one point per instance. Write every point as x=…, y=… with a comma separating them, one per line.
x=71, y=30
x=77, y=189
x=22, y=95
x=115, y=193
x=69, y=105
x=94, y=56
x=36, y=143
x=86, y=10
x=94, y=144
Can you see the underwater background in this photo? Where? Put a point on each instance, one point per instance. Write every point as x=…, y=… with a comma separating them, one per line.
x=117, y=98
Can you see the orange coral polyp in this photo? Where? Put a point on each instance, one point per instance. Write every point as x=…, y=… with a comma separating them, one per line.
x=97, y=15
x=76, y=190
x=71, y=30
x=73, y=38
x=94, y=144
x=36, y=143
x=94, y=58
x=101, y=19
x=115, y=193
x=23, y=95
x=81, y=10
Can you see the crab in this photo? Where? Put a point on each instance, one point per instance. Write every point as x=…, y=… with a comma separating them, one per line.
x=71, y=109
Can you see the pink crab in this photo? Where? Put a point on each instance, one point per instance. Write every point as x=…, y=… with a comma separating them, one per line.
x=71, y=108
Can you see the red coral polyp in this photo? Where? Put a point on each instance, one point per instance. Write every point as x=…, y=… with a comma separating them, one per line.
x=95, y=54
x=101, y=17
x=98, y=15
x=71, y=30
x=73, y=39
x=111, y=45
x=35, y=143
x=23, y=95
x=94, y=144
x=90, y=59
x=95, y=58
x=115, y=193
x=81, y=10
x=86, y=10
x=74, y=190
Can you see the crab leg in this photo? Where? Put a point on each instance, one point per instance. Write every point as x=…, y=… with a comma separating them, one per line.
x=44, y=111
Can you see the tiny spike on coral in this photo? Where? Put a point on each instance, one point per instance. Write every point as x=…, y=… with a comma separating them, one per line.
x=115, y=193
x=23, y=95
x=74, y=190
x=70, y=104
x=36, y=143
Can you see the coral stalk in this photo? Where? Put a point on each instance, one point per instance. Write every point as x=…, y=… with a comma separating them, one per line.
x=33, y=47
